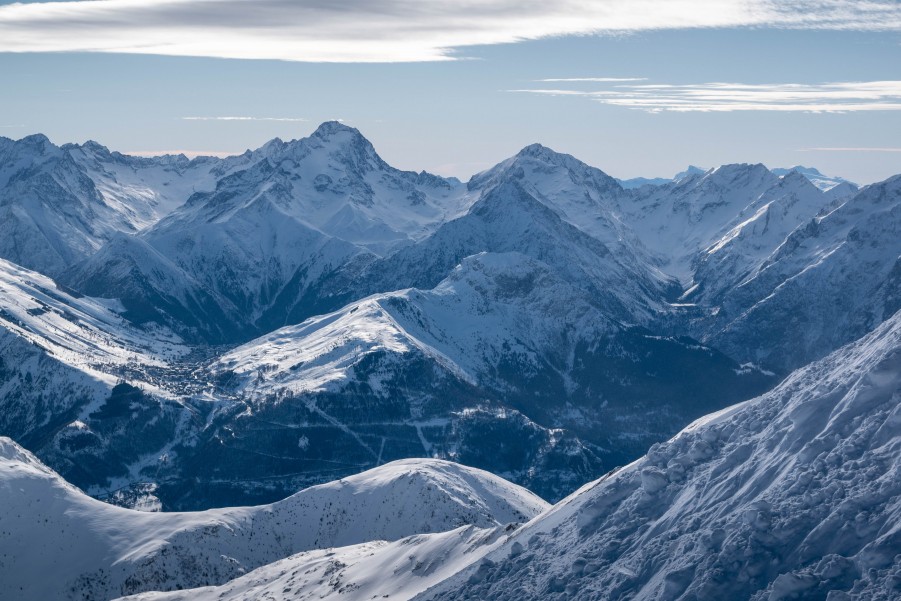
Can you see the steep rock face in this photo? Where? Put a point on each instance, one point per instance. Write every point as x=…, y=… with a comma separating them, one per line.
x=833, y=279
x=796, y=494
x=96, y=551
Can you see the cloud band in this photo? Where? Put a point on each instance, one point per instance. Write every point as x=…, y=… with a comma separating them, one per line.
x=838, y=97
x=390, y=30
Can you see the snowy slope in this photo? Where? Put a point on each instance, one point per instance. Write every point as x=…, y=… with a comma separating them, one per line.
x=72, y=348
x=677, y=220
x=489, y=305
x=354, y=573
x=97, y=551
x=762, y=228
x=834, y=278
x=794, y=495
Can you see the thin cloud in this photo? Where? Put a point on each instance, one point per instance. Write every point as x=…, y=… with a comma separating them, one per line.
x=391, y=30
x=279, y=119
x=836, y=97
x=848, y=149
x=591, y=79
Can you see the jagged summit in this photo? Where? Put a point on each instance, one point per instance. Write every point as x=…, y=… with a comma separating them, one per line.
x=35, y=140
x=333, y=127
x=537, y=159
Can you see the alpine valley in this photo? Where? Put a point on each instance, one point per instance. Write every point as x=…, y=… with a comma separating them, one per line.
x=301, y=373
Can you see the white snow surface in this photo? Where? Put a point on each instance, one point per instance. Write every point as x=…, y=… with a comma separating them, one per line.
x=82, y=332
x=492, y=303
x=793, y=495
x=97, y=551
x=398, y=570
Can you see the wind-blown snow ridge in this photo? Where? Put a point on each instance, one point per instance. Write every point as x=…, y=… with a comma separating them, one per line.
x=96, y=551
x=796, y=494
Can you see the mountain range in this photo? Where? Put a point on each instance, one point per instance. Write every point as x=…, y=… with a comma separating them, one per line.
x=185, y=335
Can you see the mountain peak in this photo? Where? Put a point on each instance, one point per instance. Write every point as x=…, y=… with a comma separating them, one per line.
x=36, y=140
x=331, y=128
x=689, y=171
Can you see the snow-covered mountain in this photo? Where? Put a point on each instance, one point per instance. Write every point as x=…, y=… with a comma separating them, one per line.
x=823, y=182
x=60, y=544
x=832, y=279
x=234, y=261
x=61, y=354
x=762, y=228
x=503, y=334
x=794, y=495
x=637, y=182
x=503, y=345
x=678, y=220
x=58, y=205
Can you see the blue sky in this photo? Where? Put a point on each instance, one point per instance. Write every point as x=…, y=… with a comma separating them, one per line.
x=823, y=93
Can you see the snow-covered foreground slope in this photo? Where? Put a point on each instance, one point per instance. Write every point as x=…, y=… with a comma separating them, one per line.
x=60, y=544
x=793, y=495
x=376, y=570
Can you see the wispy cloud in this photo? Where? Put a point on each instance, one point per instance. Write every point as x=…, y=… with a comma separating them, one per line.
x=849, y=149
x=591, y=79
x=836, y=97
x=11, y=126
x=279, y=119
x=390, y=30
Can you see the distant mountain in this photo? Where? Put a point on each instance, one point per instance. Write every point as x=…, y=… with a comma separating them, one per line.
x=252, y=249
x=823, y=182
x=97, y=551
x=637, y=182
x=58, y=205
